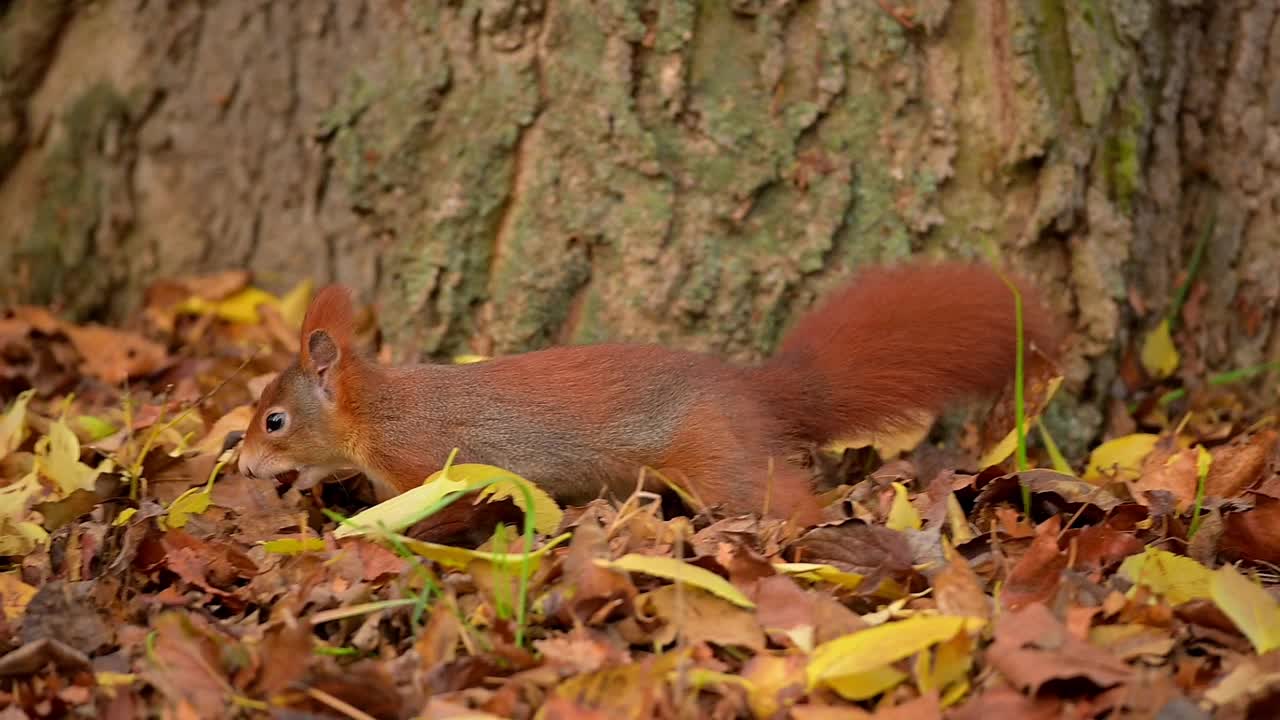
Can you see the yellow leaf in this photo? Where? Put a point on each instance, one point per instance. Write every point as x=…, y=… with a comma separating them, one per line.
x=699, y=678
x=399, y=512
x=1253, y=610
x=1177, y=578
x=951, y=664
x=58, y=458
x=902, y=516
x=112, y=679
x=293, y=546
x=873, y=648
x=1122, y=456
x=293, y=306
x=468, y=359
x=1059, y=462
x=818, y=572
x=13, y=426
x=95, y=427
x=1159, y=356
x=958, y=522
x=868, y=684
x=240, y=307
x=192, y=502
x=124, y=516
x=679, y=571
x=14, y=595
x=458, y=557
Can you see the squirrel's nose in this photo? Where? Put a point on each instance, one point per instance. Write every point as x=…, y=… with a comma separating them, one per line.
x=246, y=467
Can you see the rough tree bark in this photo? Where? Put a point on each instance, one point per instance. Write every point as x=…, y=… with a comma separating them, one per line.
x=511, y=173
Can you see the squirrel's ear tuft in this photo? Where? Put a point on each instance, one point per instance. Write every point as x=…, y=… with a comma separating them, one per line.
x=331, y=315
x=322, y=356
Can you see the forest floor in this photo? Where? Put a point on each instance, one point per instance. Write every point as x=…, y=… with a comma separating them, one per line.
x=145, y=575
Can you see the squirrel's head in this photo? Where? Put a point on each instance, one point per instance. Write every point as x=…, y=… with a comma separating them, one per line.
x=297, y=424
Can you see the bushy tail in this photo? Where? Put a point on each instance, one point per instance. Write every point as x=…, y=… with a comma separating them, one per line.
x=896, y=342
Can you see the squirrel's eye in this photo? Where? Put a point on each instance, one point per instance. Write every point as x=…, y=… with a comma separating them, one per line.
x=274, y=422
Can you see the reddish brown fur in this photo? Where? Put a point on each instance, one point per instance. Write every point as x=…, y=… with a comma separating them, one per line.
x=582, y=421
x=895, y=341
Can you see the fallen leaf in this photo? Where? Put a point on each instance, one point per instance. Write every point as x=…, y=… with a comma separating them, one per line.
x=14, y=595
x=1254, y=611
x=1031, y=648
x=458, y=557
x=924, y=707
x=1239, y=465
x=958, y=591
x=1098, y=547
x=1253, y=534
x=405, y=509
x=1041, y=379
x=1132, y=640
x=776, y=682
x=819, y=572
x=855, y=663
x=186, y=665
x=902, y=516
x=698, y=616
x=873, y=551
x=1120, y=458
x=1159, y=356
x=1036, y=576
x=114, y=356
x=1177, y=578
x=58, y=458
x=1002, y=702
x=13, y=426
x=679, y=571
x=1177, y=474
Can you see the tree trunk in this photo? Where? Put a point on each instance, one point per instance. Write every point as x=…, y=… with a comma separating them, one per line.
x=514, y=173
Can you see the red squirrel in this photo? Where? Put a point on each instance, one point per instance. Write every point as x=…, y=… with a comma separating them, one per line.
x=582, y=421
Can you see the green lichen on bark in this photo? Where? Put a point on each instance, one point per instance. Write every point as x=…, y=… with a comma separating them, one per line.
x=60, y=252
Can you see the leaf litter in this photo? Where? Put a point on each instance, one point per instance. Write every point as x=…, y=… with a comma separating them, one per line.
x=143, y=575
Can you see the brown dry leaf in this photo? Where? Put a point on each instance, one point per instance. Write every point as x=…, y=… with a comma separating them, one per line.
x=872, y=551
x=590, y=591
x=186, y=665
x=209, y=565
x=1240, y=464
x=1098, y=547
x=114, y=356
x=583, y=651
x=1171, y=470
x=1032, y=647
x=1006, y=703
x=806, y=617
x=925, y=707
x=1036, y=577
x=698, y=616
x=285, y=650
x=1131, y=640
x=1253, y=534
x=628, y=692
x=957, y=589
